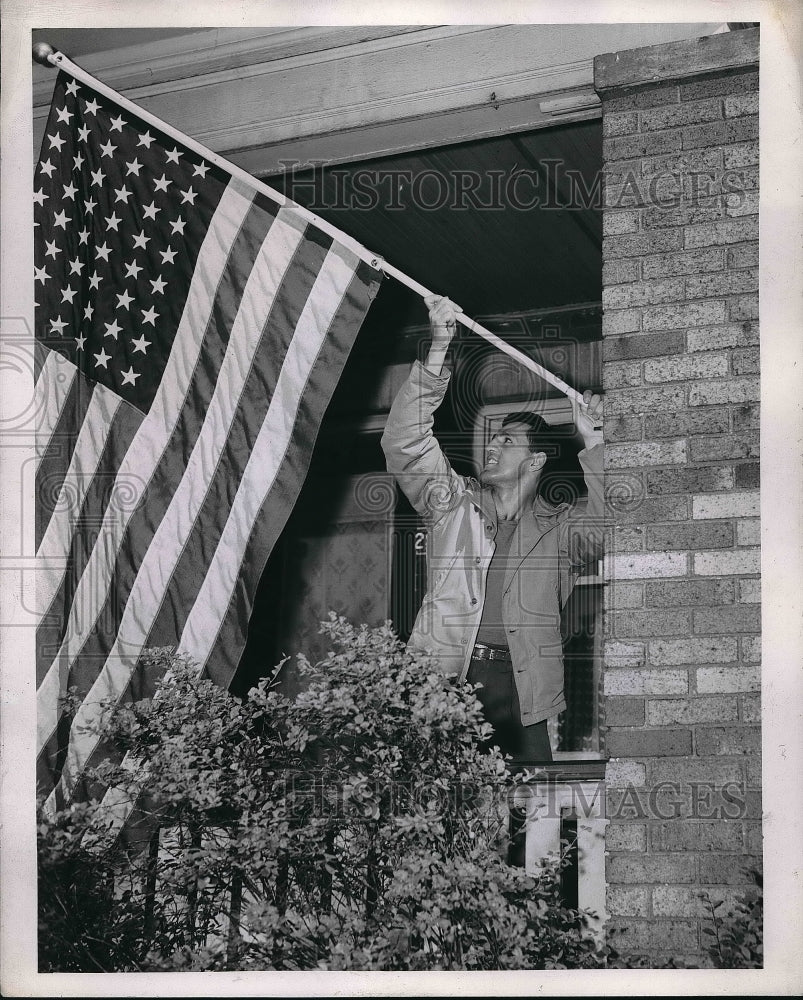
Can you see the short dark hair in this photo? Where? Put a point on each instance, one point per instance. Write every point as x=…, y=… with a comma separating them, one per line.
x=557, y=482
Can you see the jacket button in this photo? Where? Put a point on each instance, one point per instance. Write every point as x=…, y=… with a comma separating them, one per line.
x=464, y=641
x=478, y=560
x=473, y=600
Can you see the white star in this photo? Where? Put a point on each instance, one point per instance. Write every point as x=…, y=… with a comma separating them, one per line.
x=103, y=251
x=63, y=115
x=161, y=183
x=39, y=274
x=61, y=219
x=117, y=124
x=78, y=162
x=173, y=157
x=72, y=87
x=158, y=285
x=52, y=249
x=89, y=309
x=57, y=141
x=94, y=281
x=129, y=377
x=97, y=177
x=83, y=133
x=178, y=226
x=133, y=167
x=57, y=325
x=76, y=266
x=145, y=140
x=149, y=211
x=80, y=341
x=102, y=360
x=89, y=205
x=68, y=294
x=91, y=106
x=47, y=168
x=39, y=197
x=167, y=255
x=150, y=316
x=132, y=270
x=200, y=169
x=83, y=237
x=141, y=240
x=141, y=344
x=112, y=329
x=124, y=299
x=69, y=191
x=108, y=148
x=122, y=194
x=113, y=221
x=189, y=196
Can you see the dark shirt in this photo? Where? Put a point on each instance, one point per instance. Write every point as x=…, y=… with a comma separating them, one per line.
x=492, y=631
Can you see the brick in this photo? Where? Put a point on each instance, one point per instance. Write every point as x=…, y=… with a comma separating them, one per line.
x=687, y=422
x=627, y=539
x=629, y=936
x=748, y=532
x=622, y=123
x=623, y=456
x=733, y=504
x=634, y=624
x=723, y=447
x=645, y=682
x=634, y=146
x=744, y=255
x=686, y=367
x=661, y=398
x=624, y=773
x=724, y=869
x=737, y=105
x=640, y=244
x=728, y=282
x=716, y=86
x=750, y=591
x=619, y=375
x=622, y=187
x=754, y=838
x=617, y=223
x=669, y=216
x=689, y=480
x=740, y=562
x=673, y=652
x=616, y=272
x=751, y=649
x=673, y=116
x=680, y=593
x=621, y=428
x=644, y=509
x=643, y=345
x=649, y=743
x=624, y=711
x=682, y=901
x=709, y=535
x=750, y=708
x=626, y=837
x=740, y=204
x=727, y=680
x=683, y=164
x=745, y=361
x=690, y=711
x=717, y=337
x=624, y=654
x=753, y=772
x=667, y=265
x=649, y=868
x=696, y=836
x=736, y=179
x=746, y=417
x=715, y=621
x=720, y=233
x=616, y=321
x=745, y=154
x=681, y=772
x=628, y=902
x=719, y=133
x=716, y=740
x=743, y=308
x=733, y=390
x=643, y=293
x=624, y=595
x=747, y=476
x=644, y=97
x=639, y=567
x=680, y=316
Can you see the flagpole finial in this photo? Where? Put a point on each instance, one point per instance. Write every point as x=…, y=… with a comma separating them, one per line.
x=42, y=53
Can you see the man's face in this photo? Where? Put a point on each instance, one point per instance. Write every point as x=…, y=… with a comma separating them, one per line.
x=507, y=455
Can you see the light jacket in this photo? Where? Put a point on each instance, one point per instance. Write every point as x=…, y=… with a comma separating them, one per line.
x=550, y=547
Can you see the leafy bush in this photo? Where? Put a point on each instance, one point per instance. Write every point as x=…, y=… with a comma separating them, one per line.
x=359, y=825
x=738, y=931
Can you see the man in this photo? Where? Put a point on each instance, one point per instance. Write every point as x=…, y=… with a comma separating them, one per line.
x=502, y=559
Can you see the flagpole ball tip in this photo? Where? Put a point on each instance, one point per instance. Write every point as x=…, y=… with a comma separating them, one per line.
x=42, y=52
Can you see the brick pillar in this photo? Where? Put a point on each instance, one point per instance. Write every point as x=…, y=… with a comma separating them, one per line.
x=680, y=374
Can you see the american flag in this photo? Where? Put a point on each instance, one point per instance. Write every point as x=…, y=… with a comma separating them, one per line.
x=190, y=331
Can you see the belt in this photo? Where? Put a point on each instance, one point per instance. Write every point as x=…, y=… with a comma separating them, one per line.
x=483, y=652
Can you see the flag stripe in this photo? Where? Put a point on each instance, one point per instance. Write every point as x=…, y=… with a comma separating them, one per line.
x=153, y=434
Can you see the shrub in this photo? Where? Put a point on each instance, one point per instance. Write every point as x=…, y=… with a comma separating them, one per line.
x=738, y=931
x=359, y=825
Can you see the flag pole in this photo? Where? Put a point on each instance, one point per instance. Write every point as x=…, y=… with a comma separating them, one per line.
x=48, y=56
